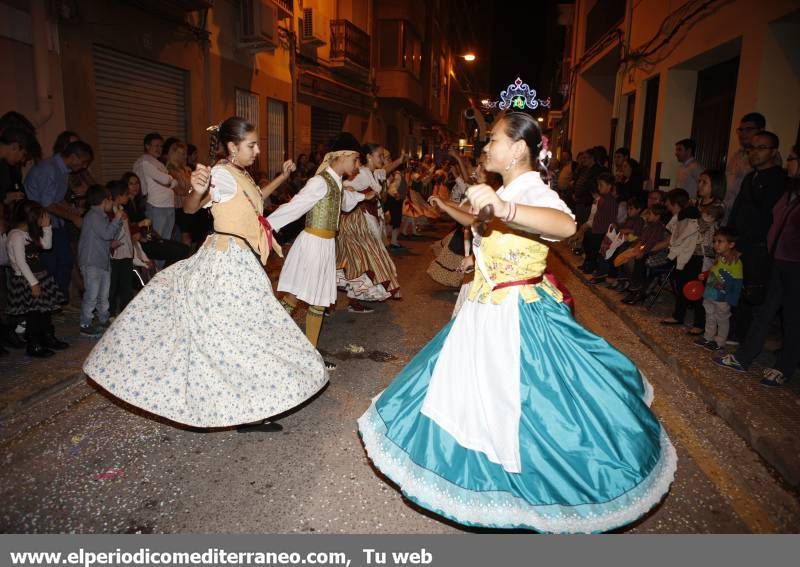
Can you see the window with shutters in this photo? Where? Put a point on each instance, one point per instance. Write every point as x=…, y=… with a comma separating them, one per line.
x=713, y=112
x=247, y=107
x=399, y=46
x=277, y=134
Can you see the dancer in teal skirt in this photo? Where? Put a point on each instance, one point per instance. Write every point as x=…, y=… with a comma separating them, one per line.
x=514, y=415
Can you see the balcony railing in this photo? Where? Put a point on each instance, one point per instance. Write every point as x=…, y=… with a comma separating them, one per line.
x=350, y=43
x=286, y=5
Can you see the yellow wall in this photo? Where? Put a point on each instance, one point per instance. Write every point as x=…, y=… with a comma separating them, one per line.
x=17, y=82
x=212, y=82
x=765, y=35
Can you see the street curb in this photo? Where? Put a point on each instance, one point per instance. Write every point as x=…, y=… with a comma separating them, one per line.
x=12, y=409
x=770, y=449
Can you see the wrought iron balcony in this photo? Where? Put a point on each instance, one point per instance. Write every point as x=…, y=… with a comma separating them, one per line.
x=350, y=47
x=287, y=6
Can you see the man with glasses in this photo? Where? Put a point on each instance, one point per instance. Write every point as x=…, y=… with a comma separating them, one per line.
x=739, y=165
x=751, y=216
x=783, y=290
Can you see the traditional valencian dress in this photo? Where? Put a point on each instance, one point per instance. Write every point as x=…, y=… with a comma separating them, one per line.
x=448, y=254
x=515, y=416
x=206, y=343
x=309, y=271
x=365, y=264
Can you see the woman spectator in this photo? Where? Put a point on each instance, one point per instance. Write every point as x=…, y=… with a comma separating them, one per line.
x=632, y=184
x=191, y=156
x=177, y=168
x=153, y=245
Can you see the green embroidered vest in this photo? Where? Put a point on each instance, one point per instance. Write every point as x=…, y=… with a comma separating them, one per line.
x=325, y=214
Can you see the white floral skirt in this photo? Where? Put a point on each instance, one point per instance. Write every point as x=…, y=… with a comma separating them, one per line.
x=206, y=344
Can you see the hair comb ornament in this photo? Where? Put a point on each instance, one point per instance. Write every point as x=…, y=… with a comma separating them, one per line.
x=213, y=142
x=518, y=96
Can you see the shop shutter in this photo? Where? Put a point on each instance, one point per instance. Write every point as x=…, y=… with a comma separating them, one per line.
x=134, y=97
x=325, y=125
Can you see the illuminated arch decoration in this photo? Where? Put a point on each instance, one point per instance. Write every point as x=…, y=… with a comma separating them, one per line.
x=518, y=96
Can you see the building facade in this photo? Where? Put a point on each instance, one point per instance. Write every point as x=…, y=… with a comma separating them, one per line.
x=302, y=70
x=645, y=74
x=420, y=71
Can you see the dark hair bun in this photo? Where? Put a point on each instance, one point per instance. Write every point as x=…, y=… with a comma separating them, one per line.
x=234, y=129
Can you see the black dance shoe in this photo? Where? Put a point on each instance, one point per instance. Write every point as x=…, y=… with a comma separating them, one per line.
x=10, y=338
x=53, y=343
x=36, y=350
x=265, y=426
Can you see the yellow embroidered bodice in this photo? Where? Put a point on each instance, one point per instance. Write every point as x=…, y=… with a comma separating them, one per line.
x=510, y=256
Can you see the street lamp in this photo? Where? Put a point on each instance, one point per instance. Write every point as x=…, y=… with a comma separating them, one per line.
x=469, y=57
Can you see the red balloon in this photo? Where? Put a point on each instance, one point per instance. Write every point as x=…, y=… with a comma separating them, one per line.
x=693, y=290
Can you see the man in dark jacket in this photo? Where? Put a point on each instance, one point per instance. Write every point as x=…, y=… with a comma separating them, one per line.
x=782, y=294
x=751, y=216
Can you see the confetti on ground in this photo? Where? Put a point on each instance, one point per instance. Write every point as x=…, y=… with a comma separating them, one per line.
x=110, y=474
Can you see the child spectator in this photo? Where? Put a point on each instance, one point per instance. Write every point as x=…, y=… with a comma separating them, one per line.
x=631, y=229
x=32, y=292
x=654, y=198
x=604, y=217
x=710, y=194
x=4, y=328
x=651, y=250
x=94, y=257
x=121, y=286
x=683, y=249
x=723, y=288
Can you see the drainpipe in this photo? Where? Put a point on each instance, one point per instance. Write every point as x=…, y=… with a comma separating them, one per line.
x=41, y=63
x=293, y=74
x=207, y=90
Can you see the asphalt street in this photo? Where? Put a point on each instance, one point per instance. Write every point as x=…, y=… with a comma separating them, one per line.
x=80, y=461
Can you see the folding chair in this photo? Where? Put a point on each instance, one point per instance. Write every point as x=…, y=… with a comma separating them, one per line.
x=660, y=277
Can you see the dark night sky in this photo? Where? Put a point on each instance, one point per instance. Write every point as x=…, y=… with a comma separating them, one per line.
x=519, y=43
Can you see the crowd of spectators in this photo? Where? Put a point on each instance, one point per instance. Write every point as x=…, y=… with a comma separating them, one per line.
x=64, y=235
x=726, y=243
